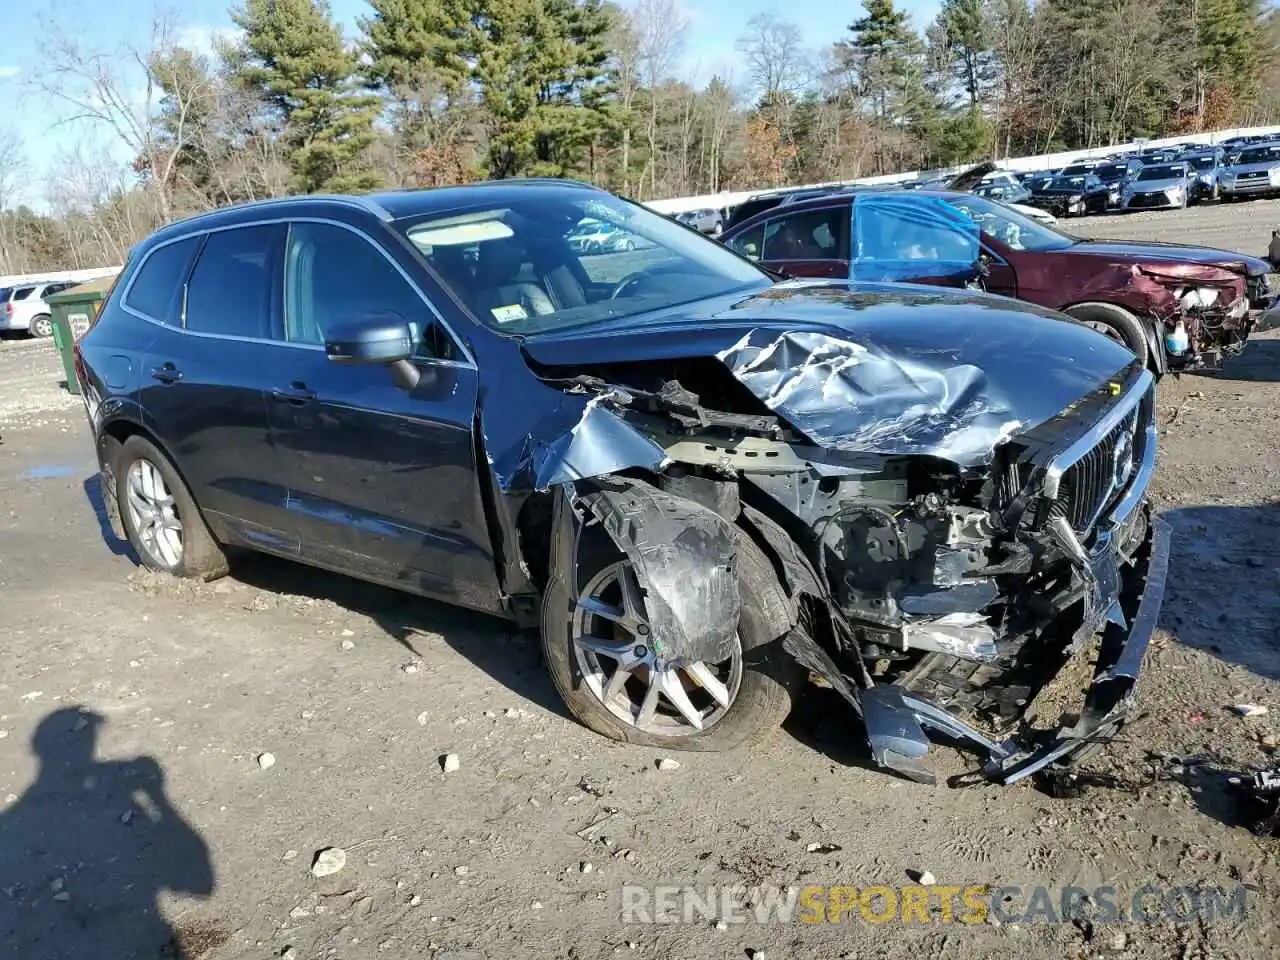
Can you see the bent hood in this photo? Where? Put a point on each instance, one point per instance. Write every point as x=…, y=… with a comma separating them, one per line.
x=884, y=369
x=1137, y=251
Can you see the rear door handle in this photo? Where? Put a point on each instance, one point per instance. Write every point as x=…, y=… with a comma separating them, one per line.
x=296, y=393
x=166, y=373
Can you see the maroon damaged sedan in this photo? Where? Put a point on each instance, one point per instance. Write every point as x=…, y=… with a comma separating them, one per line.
x=1177, y=307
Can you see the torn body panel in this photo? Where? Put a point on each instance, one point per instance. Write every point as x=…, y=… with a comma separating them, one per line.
x=683, y=555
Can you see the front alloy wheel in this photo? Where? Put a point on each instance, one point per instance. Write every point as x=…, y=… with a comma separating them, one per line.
x=40, y=327
x=611, y=645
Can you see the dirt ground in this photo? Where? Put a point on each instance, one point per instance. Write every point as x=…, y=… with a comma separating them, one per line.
x=175, y=826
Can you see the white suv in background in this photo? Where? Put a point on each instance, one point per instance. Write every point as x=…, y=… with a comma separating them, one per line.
x=22, y=306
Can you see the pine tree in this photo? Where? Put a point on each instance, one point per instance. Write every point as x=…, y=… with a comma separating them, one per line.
x=540, y=66
x=293, y=56
x=968, y=45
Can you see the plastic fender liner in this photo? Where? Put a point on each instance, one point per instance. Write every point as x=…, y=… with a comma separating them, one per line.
x=684, y=556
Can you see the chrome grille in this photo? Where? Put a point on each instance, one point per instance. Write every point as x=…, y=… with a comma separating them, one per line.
x=1099, y=478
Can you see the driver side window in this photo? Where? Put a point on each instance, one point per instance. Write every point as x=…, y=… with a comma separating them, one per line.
x=333, y=275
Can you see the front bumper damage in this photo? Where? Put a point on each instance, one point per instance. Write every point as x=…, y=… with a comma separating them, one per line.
x=896, y=722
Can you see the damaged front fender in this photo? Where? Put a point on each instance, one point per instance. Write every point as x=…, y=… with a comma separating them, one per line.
x=684, y=558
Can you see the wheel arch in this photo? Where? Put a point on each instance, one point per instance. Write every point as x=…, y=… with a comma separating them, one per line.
x=1146, y=323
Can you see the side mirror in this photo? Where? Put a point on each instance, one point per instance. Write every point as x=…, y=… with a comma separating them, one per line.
x=381, y=338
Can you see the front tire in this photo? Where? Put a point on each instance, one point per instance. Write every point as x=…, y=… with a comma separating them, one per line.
x=41, y=327
x=160, y=517
x=603, y=669
x=1114, y=322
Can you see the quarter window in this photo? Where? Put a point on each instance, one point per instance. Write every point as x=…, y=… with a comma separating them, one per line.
x=334, y=275
x=749, y=243
x=232, y=290
x=156, y=291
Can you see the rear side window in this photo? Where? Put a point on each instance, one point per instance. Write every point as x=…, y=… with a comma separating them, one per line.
x=156, y=291
x=21, y=293
x=233, y=288
x=811, y=235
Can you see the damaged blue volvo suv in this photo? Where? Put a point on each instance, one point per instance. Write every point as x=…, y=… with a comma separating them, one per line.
x=706, y=487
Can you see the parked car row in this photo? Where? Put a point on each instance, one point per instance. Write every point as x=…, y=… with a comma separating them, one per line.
x=702, y=482
x=23, y=308
x=1167, y=177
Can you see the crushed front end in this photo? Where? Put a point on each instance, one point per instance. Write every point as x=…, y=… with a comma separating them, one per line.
x=949, y=531
x=1205, y=312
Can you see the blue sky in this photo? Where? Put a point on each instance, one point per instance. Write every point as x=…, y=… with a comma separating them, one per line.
x=43, y=128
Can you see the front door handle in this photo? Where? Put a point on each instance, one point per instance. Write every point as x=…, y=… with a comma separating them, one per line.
x=166, y=373
x=296, y=393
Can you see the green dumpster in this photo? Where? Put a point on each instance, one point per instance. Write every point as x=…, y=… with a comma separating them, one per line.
x=72, y=311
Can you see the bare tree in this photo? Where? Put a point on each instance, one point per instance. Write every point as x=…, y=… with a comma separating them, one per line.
x=659, y=31
x=119, y=90
x=775, y=60
x=12, y=166
x=774, y=55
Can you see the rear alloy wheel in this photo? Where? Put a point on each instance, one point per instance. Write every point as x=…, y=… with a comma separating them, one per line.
x=601, y=658
x=41, y=326
x=160, y=517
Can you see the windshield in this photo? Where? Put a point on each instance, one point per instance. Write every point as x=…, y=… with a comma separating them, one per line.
x=1260, y=155
x=1203, y=163
x=1113, y=171
x=1009, y=226
x=568, y=258
x=1081, y=168
x=1170, y=171
x=1067, y=183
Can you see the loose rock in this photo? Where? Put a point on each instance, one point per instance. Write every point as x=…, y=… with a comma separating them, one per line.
x=666, y=763
x=348, y=645
x=925, y=878
x=1248, y=710
x=328, y=861
x=266, y=760
x=288, y=953
x=450, y=763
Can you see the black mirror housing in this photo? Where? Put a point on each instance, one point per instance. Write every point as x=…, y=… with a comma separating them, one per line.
x=379, y=338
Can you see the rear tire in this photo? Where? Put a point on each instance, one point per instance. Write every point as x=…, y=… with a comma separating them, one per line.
x=41, y=327
x=1116, y=323
x=763, y=695
x=153, y=500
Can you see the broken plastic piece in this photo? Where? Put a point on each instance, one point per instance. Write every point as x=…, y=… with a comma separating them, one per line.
x=684, y=556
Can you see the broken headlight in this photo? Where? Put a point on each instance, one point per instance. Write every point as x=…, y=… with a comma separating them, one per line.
x=1198, y=298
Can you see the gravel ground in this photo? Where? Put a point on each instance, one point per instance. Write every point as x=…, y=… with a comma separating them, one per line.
x=178, y=825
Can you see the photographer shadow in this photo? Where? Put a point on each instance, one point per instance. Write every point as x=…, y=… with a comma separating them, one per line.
x=86, y=850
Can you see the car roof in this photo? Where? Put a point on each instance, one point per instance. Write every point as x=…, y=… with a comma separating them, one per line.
x=385, y=205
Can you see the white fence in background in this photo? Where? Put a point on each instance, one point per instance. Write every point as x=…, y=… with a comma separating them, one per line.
x=79, y=276
x=1046, y=161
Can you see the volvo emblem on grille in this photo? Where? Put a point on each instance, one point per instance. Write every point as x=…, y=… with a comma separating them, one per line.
x=1122, y=461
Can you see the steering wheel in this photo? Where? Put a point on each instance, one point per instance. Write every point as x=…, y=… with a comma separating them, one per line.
x=631, y=279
